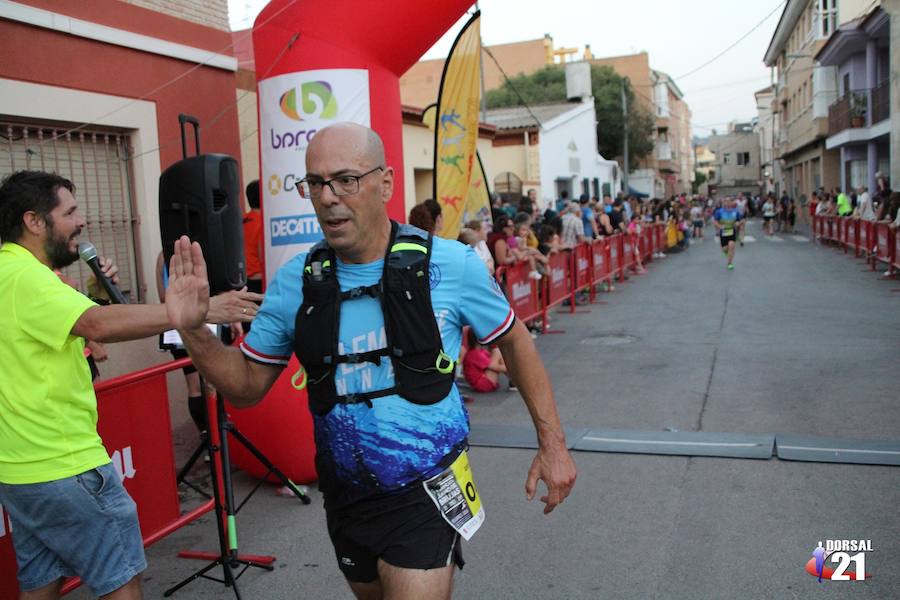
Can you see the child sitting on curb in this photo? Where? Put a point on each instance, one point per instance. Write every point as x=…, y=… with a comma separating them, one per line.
x=482, y=367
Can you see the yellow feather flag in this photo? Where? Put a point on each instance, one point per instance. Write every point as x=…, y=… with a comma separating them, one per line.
x=478, y=200
x=456, y=126
x=478, y=203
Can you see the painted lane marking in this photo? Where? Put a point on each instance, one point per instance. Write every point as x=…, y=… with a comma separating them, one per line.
x=852, y=450
x=673, y=442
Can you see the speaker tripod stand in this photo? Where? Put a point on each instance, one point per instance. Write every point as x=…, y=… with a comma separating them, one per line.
x=215, y=442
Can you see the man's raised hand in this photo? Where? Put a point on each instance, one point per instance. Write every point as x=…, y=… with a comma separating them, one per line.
x=187, y=297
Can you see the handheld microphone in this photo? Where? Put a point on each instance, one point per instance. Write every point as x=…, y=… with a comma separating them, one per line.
x=88, y=254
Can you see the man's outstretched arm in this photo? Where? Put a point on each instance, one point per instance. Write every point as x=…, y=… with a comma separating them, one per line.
x=553, y=463
x=239, y=379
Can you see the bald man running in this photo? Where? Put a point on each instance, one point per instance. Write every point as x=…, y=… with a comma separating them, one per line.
x=390, y=427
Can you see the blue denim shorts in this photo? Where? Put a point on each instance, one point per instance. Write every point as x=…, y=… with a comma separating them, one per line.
x=84, y=525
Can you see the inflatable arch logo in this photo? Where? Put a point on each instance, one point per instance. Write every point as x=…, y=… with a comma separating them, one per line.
x=316, y=102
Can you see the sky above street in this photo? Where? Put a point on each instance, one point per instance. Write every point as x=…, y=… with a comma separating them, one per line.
x=679, y=37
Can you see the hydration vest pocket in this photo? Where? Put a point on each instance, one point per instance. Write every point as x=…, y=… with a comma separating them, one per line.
x=419, y=379
x=320, y=387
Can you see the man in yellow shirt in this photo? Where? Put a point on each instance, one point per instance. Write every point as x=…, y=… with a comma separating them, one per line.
x=844, y=208
x=69, y=511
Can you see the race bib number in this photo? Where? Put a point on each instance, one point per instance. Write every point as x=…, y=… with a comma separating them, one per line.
x=453, y=492
x=727, y=232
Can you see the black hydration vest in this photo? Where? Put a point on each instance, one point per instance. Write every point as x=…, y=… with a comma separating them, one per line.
x=423, y=373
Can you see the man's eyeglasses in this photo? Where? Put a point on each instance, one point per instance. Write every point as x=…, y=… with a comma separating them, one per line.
x=342, y=185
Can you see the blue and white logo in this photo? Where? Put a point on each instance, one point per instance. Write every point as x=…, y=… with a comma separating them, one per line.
x=434, y=275
x=295, y=229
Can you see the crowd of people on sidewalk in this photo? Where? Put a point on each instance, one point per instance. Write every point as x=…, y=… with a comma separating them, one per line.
x=882, y=206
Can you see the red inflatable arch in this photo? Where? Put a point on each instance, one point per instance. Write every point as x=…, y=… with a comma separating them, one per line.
x=303, y=53
x=356, y=34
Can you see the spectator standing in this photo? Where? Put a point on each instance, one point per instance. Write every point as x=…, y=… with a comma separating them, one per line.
x=71, y=514
x=253, y=239
x=477, y=227
x=616, y=217
x=548, y=240
x=562, y=201
x=497, y=241
x=882, y=191
x=843, y=203
x=436, y=212
x=420, y=216
x=572, y=226
x=864, y=209
x=588, y=220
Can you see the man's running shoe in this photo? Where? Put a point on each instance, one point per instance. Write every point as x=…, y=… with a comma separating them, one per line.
x=730, y=267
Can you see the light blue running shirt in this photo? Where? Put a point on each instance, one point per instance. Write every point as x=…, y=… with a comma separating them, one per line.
x=363, y=451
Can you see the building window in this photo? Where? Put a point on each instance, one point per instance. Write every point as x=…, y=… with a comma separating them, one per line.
x=859, y=173
x=726, y=158
x=96, y=161
x=827, y=17
x=743, y=159
x=508, y=186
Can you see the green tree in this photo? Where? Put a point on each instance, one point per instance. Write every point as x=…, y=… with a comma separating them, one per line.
x=699, y=179
x=549, y=85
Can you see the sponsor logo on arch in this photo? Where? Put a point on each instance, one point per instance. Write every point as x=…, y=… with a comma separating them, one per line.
x=316, y=101
x=294, y=229
x=278, y=184
x=309, y=102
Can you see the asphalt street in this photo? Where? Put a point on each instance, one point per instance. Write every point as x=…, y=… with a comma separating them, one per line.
x=798, y=339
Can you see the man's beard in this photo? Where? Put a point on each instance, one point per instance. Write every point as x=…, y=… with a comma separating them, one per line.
x=57, y=249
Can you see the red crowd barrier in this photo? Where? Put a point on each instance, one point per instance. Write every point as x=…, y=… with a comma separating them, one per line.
x=580, y=269
x=847, y=230
x=646, y=244
x=818, y=227
x=133, y=421
x=895, y=261
x=852, y=235
x=617, y=258
x=556, y=289
x=521, y=290
x=876, y=242
x=600, y=264
x=865, y=237
x=628, y=251
x=884, y=248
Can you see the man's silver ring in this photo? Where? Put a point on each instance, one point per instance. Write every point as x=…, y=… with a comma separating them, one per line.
x=244, y=311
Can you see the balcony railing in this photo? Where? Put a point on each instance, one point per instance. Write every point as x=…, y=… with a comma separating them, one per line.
x=848, y=111
x=881, y=103
x=853, y=109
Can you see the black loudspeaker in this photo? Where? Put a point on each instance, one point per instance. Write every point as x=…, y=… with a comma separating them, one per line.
x=200, y=197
